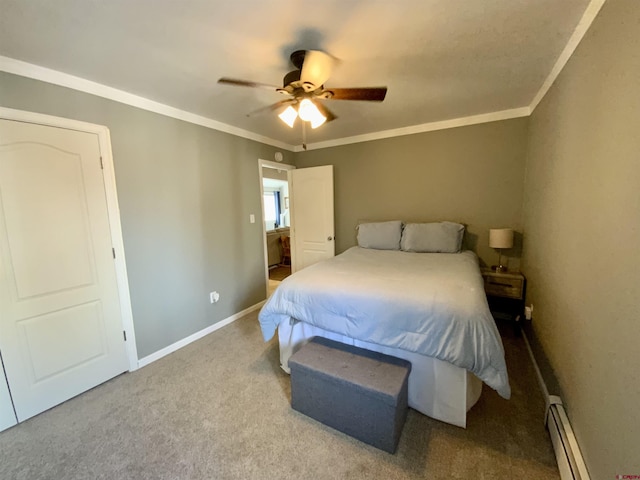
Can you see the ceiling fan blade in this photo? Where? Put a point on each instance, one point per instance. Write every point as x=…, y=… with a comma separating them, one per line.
x=371, y=94
x=328, y=114
x=245, y=83
x=316, y=69
x=272, y=107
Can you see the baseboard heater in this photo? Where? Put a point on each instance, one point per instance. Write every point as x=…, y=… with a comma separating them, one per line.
x=568, y=456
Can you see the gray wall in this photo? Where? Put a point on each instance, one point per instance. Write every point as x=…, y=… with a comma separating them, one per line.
x=472, y=175
x=582, y=238
x=185, y=195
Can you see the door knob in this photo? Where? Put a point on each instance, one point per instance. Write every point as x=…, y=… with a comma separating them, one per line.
x=329, y=238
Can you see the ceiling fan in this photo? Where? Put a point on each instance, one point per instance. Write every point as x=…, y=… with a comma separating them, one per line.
x=305, y=87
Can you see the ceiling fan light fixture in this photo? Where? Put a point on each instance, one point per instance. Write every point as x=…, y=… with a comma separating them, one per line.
x=289, y=116
x=308, y=112
x=305, y=87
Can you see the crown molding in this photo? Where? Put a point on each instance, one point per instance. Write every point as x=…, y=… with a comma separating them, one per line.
x=424, y=127
x=36, y=72
x=585, y=22
x=55, y=77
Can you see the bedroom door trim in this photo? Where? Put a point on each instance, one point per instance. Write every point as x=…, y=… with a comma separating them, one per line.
x=278, y=166
x=104, y=140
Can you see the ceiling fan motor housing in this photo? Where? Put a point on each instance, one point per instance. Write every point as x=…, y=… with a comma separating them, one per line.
x=290, y=78
x=297, y=58
x=293, y=78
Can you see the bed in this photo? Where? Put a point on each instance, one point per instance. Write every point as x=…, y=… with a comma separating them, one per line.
x=428, y=308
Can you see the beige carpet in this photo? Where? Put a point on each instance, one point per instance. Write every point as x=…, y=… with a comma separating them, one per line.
x=219, y=409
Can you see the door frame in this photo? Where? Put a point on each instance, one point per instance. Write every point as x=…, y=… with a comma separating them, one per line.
x=278, y=166
x=113, y=210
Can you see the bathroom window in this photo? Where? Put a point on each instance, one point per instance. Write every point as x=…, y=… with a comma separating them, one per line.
x=271, y=209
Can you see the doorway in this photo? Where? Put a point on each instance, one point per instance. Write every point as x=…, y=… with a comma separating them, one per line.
x=276, y=221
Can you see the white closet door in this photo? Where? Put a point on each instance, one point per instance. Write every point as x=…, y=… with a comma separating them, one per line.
x=7, y=415
x=60, y=323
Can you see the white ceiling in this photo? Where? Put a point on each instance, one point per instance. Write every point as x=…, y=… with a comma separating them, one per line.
x=440, y=59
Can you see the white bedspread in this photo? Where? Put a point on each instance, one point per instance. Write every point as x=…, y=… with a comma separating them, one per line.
x=429, y=303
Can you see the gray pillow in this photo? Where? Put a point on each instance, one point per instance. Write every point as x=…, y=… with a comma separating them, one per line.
x=380, y=235
x=440, y=237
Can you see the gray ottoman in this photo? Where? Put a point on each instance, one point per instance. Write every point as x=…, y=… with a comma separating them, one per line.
x=356, y=391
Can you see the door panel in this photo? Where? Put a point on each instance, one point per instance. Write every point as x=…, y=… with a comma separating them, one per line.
x=49, y=350
x=312, y=215
x=60, y=324
x=58, y=215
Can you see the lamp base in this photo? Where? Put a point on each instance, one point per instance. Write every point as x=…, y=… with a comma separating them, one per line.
x=499, y=268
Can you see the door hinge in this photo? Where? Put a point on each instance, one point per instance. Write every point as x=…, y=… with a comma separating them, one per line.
x=124, y=332
x=113, y=250
x=101, y=164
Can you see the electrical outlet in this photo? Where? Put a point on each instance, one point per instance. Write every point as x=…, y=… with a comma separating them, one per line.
x=528, y=312
x=214, y=297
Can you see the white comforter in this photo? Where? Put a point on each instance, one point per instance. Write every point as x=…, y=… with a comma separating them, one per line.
x=430, y=303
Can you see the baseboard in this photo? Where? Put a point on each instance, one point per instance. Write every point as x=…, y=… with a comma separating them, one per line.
x=571, y=464
x=143, y=362
x=541, y=382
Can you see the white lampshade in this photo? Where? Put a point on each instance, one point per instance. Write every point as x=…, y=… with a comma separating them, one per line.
x=289, y=116
x=501, y=238
x=318, y=120
x=308, y=112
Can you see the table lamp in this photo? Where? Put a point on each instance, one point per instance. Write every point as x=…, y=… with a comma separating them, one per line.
x=500, y=238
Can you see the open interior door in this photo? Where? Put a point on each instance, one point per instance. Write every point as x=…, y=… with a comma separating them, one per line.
x=312, y=232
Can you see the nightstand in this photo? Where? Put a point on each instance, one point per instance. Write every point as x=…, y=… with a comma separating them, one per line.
x=505, y=294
